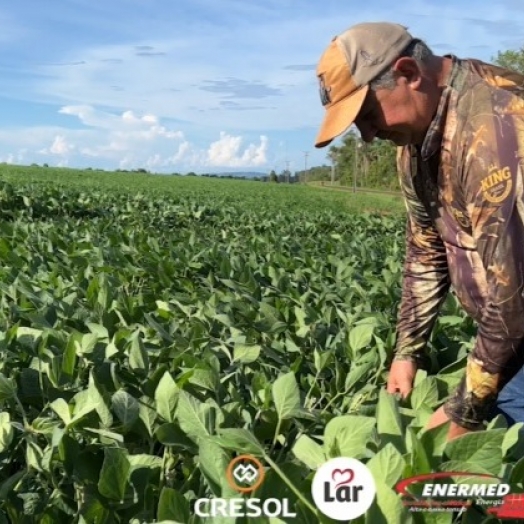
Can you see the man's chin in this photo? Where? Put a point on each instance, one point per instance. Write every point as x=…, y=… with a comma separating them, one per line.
x=402, y=143
x=398, y=139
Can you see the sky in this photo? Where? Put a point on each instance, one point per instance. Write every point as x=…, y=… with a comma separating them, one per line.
x=204, y=86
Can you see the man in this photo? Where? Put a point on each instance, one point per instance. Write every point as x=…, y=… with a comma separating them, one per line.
x=460, y=125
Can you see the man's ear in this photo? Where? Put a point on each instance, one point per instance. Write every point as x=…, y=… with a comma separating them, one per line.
x=408, y=68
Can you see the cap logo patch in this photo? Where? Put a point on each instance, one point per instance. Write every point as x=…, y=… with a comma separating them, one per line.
x=368, y=59
x=365, y=56
x=325, y=97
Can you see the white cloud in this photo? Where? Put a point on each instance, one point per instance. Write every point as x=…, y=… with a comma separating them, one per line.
x=60, y=146
x=226, y=152
x=129, y=140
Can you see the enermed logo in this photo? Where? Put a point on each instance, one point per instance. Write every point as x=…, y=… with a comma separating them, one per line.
x=457, y=490
x=343, y=488
x=244, y=474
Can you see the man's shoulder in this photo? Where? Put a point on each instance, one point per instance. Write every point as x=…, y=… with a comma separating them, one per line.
x=496, y=76
x=481, y=79
x=485, y=91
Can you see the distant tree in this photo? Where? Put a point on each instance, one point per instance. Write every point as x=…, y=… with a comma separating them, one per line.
x=366, y=165
x=513, y=60
x=284, y=176
x=273, y=176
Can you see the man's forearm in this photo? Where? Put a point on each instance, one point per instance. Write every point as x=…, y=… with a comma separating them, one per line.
x=424, y=288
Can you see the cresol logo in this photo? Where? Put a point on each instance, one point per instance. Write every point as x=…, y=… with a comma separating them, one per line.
x=245, y=474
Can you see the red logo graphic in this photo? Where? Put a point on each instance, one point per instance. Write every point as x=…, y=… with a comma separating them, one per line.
x=340, y=473
x=447, y=491
x=512, y=507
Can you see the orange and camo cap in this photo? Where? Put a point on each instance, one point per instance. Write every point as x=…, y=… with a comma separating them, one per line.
x=345, y=70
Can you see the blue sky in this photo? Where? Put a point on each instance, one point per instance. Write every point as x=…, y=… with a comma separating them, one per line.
x=197, y=85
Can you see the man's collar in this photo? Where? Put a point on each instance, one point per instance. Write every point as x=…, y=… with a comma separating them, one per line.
x=435, y=131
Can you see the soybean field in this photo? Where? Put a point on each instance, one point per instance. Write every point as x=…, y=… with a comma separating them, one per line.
x=153, y=327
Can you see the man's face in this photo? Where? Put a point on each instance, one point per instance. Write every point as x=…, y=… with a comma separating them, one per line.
x=402, y=114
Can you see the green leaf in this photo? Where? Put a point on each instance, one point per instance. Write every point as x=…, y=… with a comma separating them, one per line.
x=166, y=397
x=239, y=440
x=194, y=417
x=442, y=518
x=204, y=378
x=389, y=424
x=147, y=415
x=172, y=506
x=213, y=462
x=286, y=396
x=348, y=436
x=94, y=511
x=360, y=369
x=513, y=436
x=111, y=435
x=309, y=452
x=7, y=485
x=425, y=394
x=7, y=388
x=126, y=407
x=387, y=465
x=34, y=456
x=479, y=448
x=61, y=408
x=517, y=474
x=434, y=440
x=420, y=460
x=246, y=353
x=387, y=508
x=114, y=475
x=143, y=460
x=138, y=359
x=69, y=361
x=97, y=400
x=170, y=434
x=322, y=359
x=360, y=337
x=6, y=431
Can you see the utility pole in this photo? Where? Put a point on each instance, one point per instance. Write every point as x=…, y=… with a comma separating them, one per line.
x=357, y=147
x=287, y=171
x=306, y=154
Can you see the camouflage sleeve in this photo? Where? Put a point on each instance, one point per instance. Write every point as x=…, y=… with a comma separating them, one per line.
x=425, y=280
x=492, y=188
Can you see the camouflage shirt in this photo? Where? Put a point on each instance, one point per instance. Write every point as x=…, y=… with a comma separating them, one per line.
x=464, y=193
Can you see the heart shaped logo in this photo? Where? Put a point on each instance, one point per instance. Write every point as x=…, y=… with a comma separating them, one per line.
x=342, y=476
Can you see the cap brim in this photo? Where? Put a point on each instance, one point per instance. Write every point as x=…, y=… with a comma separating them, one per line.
x=340, y=116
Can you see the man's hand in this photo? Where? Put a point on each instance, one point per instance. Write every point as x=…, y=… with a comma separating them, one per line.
x=401, y=376
x=439, y=417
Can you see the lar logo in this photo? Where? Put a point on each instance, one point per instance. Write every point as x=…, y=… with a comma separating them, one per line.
x=343, y=488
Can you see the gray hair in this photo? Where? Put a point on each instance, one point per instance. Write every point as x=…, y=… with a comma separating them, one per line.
x=417, y=50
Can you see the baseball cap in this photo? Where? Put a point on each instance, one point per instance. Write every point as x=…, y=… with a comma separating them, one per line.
x=352, y=60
